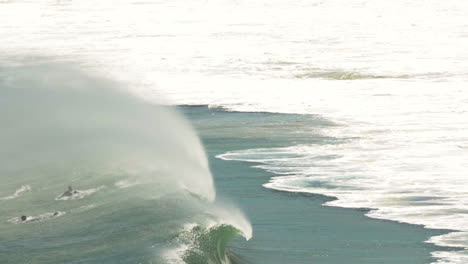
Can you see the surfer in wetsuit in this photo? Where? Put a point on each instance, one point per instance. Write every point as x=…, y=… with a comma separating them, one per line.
x=69, y=192
x=23, y=218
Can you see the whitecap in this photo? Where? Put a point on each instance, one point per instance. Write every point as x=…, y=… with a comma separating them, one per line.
x=19, y=192
x=79, y=194
x=38, y=218
x=122, y=184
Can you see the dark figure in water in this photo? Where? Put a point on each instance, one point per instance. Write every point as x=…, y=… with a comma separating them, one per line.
x=69, y=192
x=23, y=218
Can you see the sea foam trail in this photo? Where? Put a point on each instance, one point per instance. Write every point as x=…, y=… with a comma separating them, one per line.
x=138, y=170
x=402, y=144
x=390, y=72
x=402, y=151
x=418, y=179
x=21, y=191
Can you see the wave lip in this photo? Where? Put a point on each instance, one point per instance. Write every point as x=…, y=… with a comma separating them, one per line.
x=140, y=166
x=207, y=239
x=199, y=245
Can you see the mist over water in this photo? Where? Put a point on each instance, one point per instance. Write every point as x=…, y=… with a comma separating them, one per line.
x=139, y=173
x=391, y=76
x=70, y=121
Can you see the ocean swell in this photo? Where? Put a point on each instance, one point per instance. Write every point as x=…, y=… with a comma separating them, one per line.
x=136, y=171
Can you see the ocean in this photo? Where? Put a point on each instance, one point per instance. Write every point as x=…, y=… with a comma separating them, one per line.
x=305, y=131
x=294, y=227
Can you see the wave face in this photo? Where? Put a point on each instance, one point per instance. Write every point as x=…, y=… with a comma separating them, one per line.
x=391, y=74
x=137, y=175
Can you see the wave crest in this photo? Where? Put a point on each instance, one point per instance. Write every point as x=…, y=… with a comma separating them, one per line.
x=209, y=244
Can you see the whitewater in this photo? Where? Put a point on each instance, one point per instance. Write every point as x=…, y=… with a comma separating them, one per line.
x=138, y=167
x=390, y=76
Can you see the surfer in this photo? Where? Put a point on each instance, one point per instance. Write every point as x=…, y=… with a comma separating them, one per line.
x=23, y=218
x=69, y=192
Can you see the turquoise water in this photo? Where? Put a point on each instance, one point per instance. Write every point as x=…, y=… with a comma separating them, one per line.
x=146, y=188
x=293, y=227
x=142, y=188
x=391, y=76
x=149, y=190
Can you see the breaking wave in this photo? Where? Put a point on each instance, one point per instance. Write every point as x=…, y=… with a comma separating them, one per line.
x=139, y=170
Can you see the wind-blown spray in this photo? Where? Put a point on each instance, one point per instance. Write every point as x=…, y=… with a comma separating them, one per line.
x=139, y=170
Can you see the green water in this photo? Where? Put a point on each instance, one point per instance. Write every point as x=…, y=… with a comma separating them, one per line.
x=145, y=220
x=289, y=227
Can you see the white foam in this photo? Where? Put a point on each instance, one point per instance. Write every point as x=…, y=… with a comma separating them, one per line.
x=122, y=184
x=401, y=188
x=408, y=128
x=175, y=255
x=449, y=257
x=38, y=218
x=19, y=192
x=83, y=208
x=79, y=194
